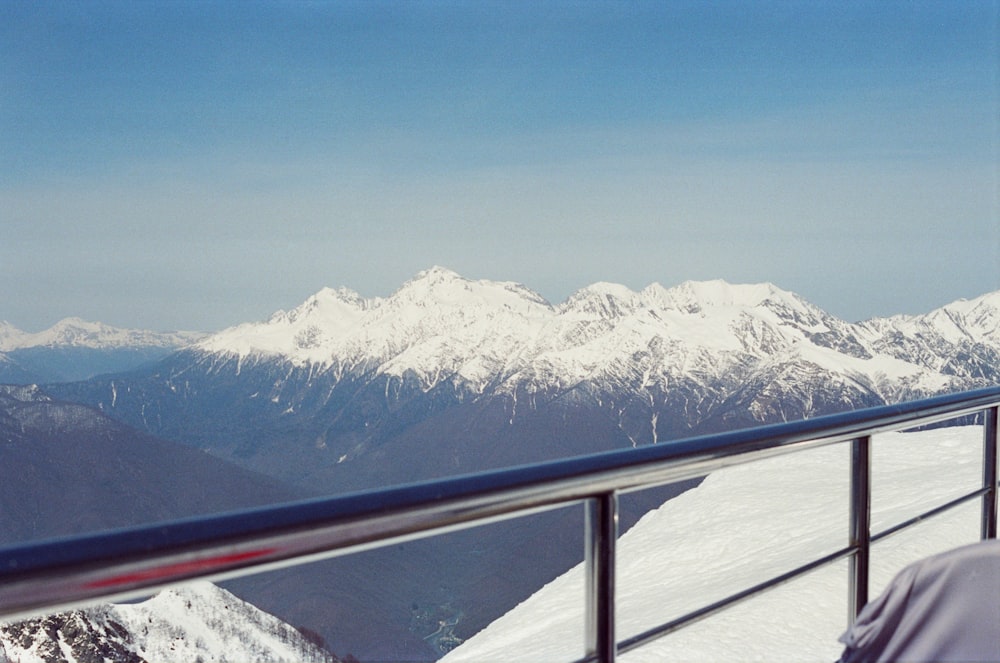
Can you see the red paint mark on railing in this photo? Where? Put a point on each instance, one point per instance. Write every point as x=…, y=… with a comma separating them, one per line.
x=180, y=569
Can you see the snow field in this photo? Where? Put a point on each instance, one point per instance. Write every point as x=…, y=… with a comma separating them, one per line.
x=742, y=526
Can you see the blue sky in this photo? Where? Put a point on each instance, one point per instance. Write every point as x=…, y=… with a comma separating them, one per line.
x=198, y=164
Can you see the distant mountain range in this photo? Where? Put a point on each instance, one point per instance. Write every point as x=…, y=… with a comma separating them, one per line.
x=450, y=375
x=74, y=349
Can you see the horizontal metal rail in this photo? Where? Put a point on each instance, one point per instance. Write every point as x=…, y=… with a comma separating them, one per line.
x=42, y=577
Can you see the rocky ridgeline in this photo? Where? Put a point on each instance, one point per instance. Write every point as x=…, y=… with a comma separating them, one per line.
x=197, y=623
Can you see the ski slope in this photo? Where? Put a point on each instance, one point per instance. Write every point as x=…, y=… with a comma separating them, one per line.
x=741, y=526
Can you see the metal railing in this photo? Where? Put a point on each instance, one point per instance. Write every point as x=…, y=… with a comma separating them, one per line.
x=43, y=577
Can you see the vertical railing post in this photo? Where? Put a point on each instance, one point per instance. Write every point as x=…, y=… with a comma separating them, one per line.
x=989, y=518
x=860, y=538
x=602, y=535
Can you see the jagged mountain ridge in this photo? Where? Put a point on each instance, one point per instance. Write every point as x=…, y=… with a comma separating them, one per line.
x=198, y=622
x=497, y=336
x=608, y=343
x=959, y=339
x=342, y=378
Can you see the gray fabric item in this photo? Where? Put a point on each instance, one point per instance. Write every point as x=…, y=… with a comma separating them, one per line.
x=943, y=608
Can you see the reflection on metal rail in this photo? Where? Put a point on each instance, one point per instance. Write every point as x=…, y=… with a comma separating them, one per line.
x=53, y=575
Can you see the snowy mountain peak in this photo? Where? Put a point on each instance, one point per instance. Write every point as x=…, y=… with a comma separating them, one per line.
x=962, y=322
x=338, y=326
x=434, y=282
x=436, y=273
x=616, y=290
x=602, y=299
x=199, y=622
x=343, y=295
x=77, y=331
x=693, y=296
x=977, y=318
x=328, y=305
x=443, y=286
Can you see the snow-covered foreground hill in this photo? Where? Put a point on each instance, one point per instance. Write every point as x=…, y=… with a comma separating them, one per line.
x=744, y=525
x=200, y=622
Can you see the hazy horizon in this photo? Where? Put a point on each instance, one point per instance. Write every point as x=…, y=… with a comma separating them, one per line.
x=189, y=165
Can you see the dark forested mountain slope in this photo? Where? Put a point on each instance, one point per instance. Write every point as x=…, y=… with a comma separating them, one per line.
x=67, y=468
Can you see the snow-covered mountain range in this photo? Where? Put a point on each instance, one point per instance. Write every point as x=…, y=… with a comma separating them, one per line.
x=198, y=622
x=324, y=393
x=75, y=332
x=75, y=349
x=663, y=361
x=501, y=337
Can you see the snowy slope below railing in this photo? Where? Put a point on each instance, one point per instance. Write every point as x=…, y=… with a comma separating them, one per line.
x=742, y=526
x=199, y=622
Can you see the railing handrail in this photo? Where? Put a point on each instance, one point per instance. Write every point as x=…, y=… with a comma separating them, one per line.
x=46, y=576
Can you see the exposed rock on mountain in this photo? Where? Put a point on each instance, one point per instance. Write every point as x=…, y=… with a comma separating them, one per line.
x=199, y=622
